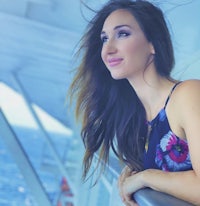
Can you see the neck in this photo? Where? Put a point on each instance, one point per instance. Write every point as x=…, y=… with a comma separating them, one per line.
x=152, y=90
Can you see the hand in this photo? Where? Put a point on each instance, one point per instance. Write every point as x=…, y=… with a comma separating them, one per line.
x=124, y=187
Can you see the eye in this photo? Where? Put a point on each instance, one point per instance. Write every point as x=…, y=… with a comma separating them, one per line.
x=123, y=33
x=104, y=38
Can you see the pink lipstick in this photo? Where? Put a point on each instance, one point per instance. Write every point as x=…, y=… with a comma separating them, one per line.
x=114, y=61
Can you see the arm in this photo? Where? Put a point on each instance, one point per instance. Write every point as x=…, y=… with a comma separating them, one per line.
x=184, y=185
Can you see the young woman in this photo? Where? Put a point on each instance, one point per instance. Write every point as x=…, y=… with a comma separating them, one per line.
x=130, y=103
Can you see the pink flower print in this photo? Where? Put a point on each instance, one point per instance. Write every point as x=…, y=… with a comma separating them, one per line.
x=172, y=153
x=178, y=149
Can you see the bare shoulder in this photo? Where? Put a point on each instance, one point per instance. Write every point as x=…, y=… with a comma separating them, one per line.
x=186, y=103
x=187, y=90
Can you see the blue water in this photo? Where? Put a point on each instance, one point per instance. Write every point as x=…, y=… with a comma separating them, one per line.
x=13, y=188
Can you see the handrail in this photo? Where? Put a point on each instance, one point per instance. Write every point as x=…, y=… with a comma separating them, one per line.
x=147, y=196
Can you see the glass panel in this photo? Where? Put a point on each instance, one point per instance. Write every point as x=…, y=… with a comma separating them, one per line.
x=33, y=140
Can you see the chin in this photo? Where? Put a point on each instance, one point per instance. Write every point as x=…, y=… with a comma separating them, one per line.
x=117, y=77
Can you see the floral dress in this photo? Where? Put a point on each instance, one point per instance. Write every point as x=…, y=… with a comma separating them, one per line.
x=165, y=150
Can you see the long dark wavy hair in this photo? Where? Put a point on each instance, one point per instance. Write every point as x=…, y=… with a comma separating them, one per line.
x=113, y=115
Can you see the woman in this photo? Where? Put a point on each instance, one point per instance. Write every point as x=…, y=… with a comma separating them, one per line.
x=130, y=103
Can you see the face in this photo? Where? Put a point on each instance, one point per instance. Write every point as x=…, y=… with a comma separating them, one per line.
x=125, y=50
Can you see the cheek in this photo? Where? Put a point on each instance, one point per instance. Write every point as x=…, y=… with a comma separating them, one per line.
x=137, y=51
x=132, y=47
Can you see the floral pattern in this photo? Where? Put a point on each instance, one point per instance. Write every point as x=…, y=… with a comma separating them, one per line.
x=172, y=154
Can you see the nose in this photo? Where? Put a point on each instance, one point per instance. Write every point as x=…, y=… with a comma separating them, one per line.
x=110, y=47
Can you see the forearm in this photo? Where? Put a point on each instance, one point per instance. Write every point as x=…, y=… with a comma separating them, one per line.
x=184, y=185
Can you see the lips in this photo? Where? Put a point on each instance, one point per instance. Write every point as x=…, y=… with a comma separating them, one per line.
x=114, y=61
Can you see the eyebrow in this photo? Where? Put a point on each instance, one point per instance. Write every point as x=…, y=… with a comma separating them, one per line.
x=117, y=27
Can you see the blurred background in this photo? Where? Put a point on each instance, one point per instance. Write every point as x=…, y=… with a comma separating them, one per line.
x=40, y=145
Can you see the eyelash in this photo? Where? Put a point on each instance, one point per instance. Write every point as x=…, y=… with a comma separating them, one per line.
x=104, y=39
x=123, y=33
x=120, y=34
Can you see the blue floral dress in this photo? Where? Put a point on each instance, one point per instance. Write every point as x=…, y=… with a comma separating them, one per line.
x=165, y=150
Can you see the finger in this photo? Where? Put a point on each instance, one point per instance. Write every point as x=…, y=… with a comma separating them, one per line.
x=121, y=179
x=126, y=170
x=120, y=189
x=131, y=202
x=133, y=172
x=134, y=204
x=125, y=173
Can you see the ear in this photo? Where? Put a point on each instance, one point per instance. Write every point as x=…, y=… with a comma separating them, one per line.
x=152, y=48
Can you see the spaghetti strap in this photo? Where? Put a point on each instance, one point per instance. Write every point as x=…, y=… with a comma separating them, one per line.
x=171, y=93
